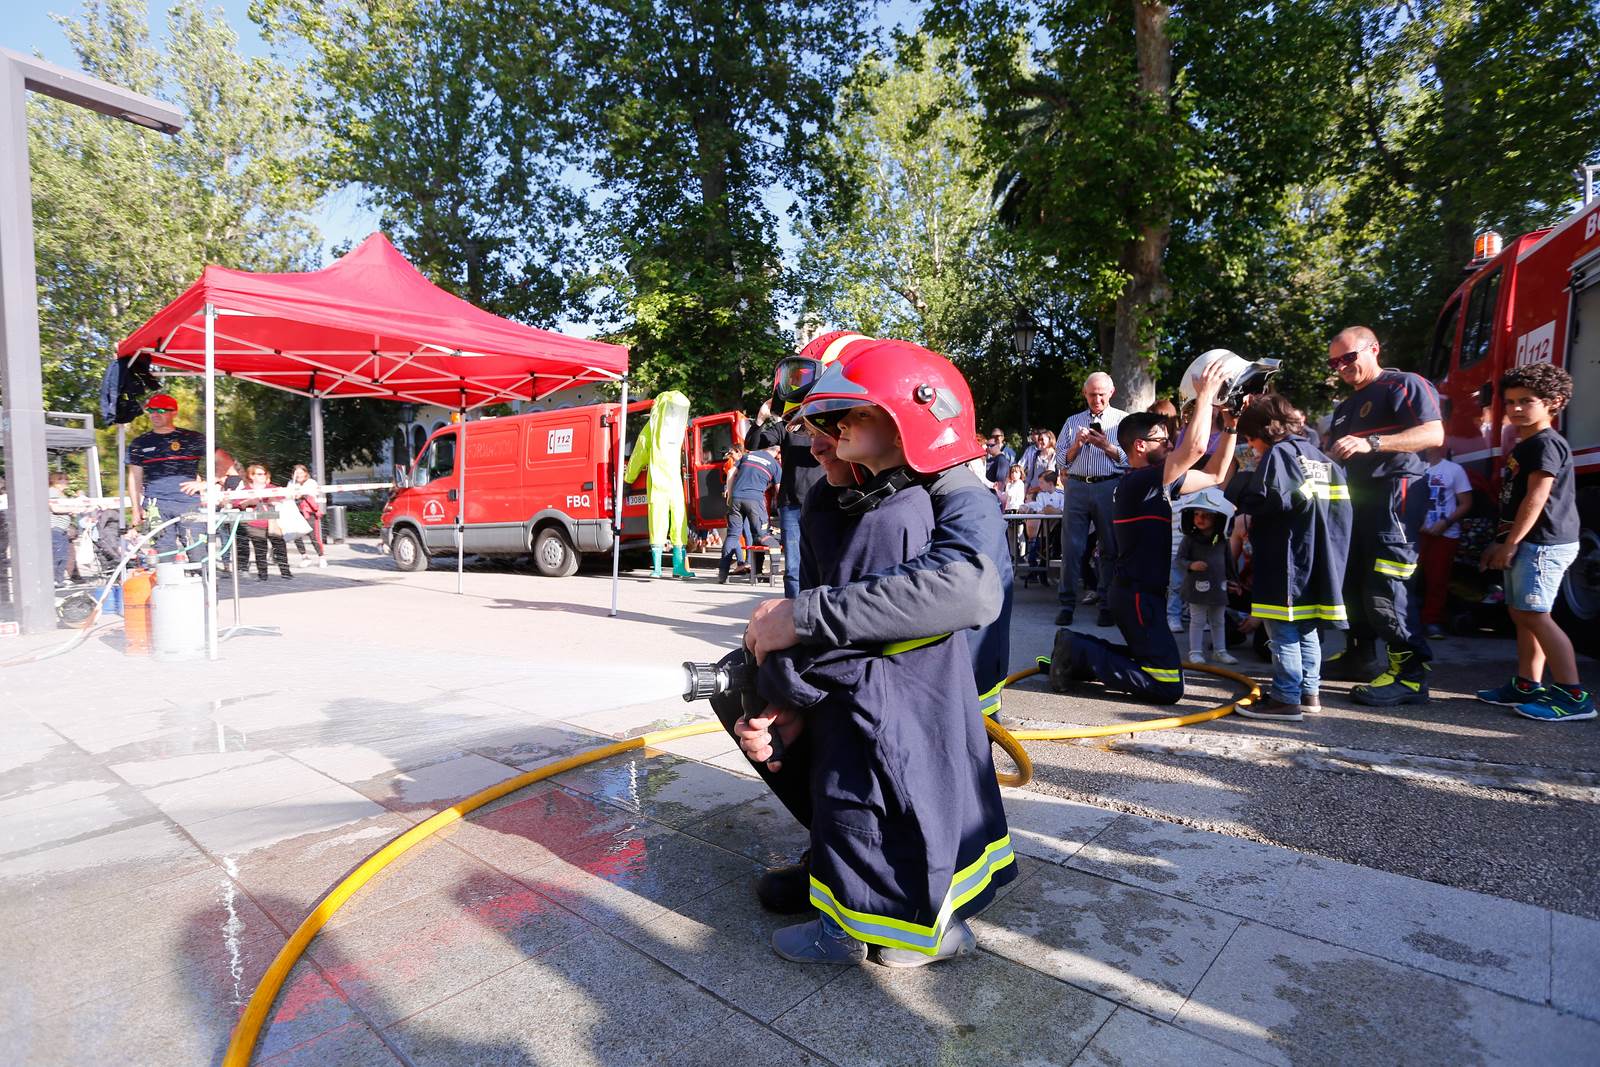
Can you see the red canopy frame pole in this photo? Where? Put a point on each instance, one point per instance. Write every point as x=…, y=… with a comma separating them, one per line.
x=211, y=483
x=616, y=523
x=461, y=496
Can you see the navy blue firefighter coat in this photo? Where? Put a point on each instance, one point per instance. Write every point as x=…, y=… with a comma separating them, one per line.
x=1299, y=508
x=907, y=828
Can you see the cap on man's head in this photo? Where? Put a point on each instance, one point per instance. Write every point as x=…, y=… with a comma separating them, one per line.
x=161, y=402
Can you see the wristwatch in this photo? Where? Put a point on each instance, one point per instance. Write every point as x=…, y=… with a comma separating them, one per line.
x=1372, y=441
x=1230, y=429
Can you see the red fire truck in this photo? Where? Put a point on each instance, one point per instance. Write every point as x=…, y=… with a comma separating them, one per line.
x=542, y=483
x=1536, y=299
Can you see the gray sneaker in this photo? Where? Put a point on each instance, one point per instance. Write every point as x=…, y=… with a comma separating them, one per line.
x=959, y=940
x=810, y=943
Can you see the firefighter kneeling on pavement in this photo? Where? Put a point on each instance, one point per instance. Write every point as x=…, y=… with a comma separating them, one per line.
x=1147, y=667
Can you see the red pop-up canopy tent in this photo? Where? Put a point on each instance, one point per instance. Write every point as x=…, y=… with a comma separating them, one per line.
x=370, y=325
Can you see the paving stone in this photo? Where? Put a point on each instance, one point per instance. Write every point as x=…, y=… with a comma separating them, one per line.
x=81, y=816
x=289, y=877
x=1497, y=943
x=1575, y=971
x=197, y=799
x=429, y=866
x=1127, y=944
x=421, y=791
x=735, y=763
x=541, y=823
x=183, y=1017
x=762, y=829
x=665, y=788
x=1222, y=872
x=261, y=827
x=115, y=942
x=350, y=1045
x=644, y=870
x=1129, y=1039
x=144, y=774
x=395, y=962
x=978, y=1009
x=593, y=1001
x=1288, y=999
x=741, y=1040
x=1051, y=828
x=700, y=747
x=112, y=864
x=722, y=943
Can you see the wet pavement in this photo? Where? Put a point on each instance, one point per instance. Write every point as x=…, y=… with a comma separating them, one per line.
x=165, y=825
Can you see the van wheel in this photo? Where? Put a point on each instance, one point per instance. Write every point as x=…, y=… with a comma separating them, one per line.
x=407, y=551
x=553, y=554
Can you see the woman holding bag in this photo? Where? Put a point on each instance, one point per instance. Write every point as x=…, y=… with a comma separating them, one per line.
x=307, y=496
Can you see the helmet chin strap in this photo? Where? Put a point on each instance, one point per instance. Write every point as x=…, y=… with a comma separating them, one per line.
x=875, y=490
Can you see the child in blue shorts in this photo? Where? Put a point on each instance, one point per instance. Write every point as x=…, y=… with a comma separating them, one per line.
x=1538, y=541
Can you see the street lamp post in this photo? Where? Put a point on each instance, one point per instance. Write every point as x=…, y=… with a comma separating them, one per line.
x=1023, y=332
x=21, y=377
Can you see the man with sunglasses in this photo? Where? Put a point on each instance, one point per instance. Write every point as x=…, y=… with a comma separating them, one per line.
x=161, y=462
x=1379, y=433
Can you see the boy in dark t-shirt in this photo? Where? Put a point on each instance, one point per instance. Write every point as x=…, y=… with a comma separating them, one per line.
x=1537, y=542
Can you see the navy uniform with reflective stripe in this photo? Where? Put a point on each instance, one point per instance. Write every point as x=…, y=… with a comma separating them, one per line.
x=907, y=828
x=1299, y=534
x=1148, y=666
x=1389, y=502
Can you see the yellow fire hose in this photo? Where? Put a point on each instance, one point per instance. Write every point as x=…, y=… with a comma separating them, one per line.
x=241, y=1046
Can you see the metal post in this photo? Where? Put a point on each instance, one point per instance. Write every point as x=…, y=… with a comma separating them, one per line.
x=318, y=471
x=22, y=414
x=616, y=523
x=122, y=477
x=211, y=484
x=461, y=497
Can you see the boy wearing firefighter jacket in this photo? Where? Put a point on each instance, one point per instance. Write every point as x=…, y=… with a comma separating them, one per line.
x=1147, y=667
x=1299, y=538
x=908, y=835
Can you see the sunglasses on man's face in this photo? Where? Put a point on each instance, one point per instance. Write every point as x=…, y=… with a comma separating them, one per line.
x=1344, y=359
x=159, y=411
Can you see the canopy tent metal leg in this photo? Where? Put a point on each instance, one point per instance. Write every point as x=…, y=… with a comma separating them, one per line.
x=318, y=470
x=211, y=484
x=616, y=523
x=461, y=497
x=122, y=476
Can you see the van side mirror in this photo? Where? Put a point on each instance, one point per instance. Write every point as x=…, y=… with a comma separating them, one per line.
x=402, y=478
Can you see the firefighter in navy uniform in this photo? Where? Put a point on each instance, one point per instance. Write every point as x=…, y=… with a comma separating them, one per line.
x=1378, y=433
x=164, y=465
x=758, y=471
x=1148, y=667
x=908, y=833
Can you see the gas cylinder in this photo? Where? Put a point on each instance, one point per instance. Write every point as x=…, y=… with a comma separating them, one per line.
x=178, y=612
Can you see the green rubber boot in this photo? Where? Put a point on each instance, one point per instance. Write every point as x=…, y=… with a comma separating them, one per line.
x=655, y=561
x=680, y=566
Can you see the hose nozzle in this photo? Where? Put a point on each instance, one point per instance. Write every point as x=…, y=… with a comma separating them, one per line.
x=702, y=681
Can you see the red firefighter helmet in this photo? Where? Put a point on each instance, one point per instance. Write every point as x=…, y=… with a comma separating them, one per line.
x=796, y=374
x=923, y=393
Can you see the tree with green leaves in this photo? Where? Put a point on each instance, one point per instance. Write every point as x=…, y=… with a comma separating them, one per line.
x=690, y=115
x=448, y=117
x=1119, y=127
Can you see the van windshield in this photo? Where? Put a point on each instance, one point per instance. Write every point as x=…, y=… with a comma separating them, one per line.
x=439, y=461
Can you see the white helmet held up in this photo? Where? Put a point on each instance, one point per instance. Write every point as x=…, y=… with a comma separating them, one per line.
x=1242, y=377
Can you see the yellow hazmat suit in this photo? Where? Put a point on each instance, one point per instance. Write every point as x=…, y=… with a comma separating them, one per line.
x=659, y=449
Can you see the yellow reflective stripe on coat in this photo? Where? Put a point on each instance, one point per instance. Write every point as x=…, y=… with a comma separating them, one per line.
x=898, y=933
x=1164, y=674
x=1324, y=491
x=894, y=648
x=1393, y=568
x=989, y=703
x=1299, y=612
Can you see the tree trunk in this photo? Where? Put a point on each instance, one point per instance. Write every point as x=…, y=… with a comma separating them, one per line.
x=1139, y=306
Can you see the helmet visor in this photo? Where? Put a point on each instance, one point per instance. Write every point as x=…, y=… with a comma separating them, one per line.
x=794, y=378
x=823, y=416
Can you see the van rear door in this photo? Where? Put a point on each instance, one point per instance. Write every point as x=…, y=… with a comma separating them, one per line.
x=709, y=440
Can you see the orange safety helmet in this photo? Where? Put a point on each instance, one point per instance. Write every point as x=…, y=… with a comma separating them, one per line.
x=795, y=375
x=924, y=394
